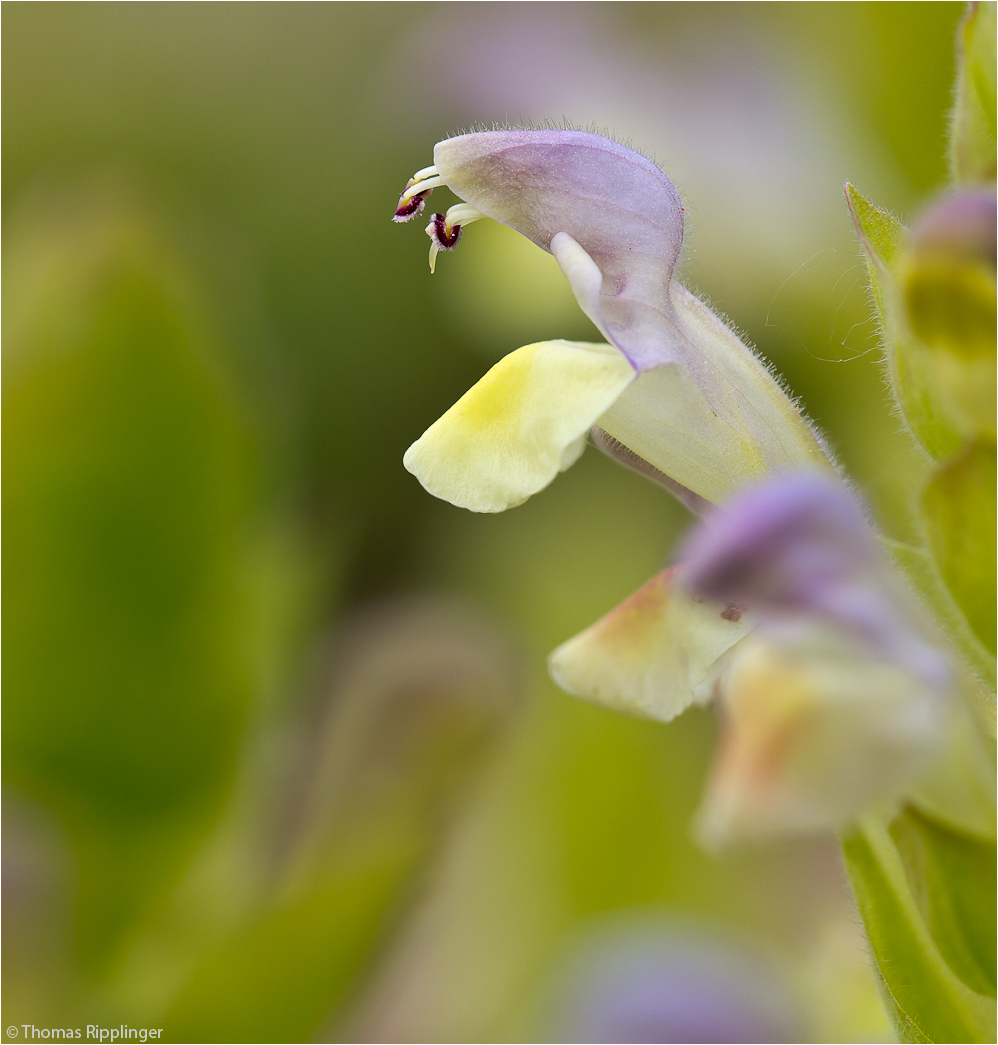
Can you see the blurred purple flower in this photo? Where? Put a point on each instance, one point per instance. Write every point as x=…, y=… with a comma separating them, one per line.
x=961, y=225
x=641, y=984
x=798, y=546
x=839, y=699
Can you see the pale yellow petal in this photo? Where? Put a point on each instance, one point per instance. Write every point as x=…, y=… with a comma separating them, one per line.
x=525, y=421
x=653, y=654
x=666, y=420
x=815, y=733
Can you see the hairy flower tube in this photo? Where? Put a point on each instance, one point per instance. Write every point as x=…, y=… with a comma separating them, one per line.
x=673, y=392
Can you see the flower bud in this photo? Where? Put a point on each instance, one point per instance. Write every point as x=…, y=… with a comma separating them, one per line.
x=948, y=283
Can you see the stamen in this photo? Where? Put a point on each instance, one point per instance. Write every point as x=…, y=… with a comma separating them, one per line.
x=408, y=209
x=441, y=237
x=417, y=188
x=444, y=230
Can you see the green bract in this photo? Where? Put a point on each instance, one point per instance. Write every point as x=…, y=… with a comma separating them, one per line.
x=925, y=878
x=972, y=143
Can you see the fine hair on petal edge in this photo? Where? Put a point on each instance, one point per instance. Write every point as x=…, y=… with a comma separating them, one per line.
x=564, y=124
x=775, y=374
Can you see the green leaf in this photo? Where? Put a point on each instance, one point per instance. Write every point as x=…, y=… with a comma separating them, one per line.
x=958, y=507
x=423, y=693
x=129, y=477
x=952, y=878
x=911, y=365
x=927, y=1000
x=285, y=973
x=972, y=136
x=884, y=237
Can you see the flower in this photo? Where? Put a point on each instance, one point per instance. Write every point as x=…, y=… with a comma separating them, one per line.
x=840, y=699
x=638, y=978
x=673, y=391
x=834, y=694
x=798, y=549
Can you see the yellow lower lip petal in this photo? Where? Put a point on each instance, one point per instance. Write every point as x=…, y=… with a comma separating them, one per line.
x=523, y=423
x=651, y=656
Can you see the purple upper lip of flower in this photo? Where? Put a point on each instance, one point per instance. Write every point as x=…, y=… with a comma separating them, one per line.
x=780, y=542
x=617, y=205
x=799, y=545
x=610, y=199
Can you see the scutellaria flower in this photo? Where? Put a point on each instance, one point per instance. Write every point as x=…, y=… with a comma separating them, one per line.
x=839, y=699
x=673, y=391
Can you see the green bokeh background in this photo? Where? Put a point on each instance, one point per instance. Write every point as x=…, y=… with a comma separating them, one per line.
x=217, y=349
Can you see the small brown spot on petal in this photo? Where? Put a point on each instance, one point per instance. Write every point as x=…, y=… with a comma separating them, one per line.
x=732, y=613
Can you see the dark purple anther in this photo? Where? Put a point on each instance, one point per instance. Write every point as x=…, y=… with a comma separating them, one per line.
x=443, y=238
x=409, y=208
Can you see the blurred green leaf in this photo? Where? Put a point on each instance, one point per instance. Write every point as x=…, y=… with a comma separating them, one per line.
x=910, y=364
x=282, y=976
x=972, y=135
x=952, y=878
x=928, y=1001
x=128, y=482
x=422, y=691
x=958, y=506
